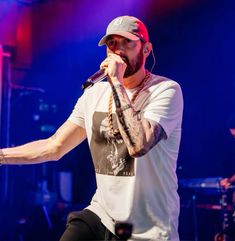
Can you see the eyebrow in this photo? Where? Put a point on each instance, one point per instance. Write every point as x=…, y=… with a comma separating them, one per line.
x=117, y=36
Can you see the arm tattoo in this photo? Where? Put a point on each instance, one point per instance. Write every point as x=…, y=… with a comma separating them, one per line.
x=158, y=133
x=138, y=139
x=122, y=121
x=129, y=120
x=119, y=111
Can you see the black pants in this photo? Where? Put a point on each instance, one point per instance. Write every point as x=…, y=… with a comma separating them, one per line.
x=85, y=225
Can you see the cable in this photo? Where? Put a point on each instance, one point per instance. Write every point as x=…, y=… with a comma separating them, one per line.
x=154, y=61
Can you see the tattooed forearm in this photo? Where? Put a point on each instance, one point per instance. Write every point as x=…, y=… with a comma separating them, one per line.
x=121, y=118
x=158, y=133
x=129, y=121
x=124, y=127
x=139, y=134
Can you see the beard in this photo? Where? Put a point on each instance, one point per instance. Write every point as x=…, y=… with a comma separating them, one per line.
x=134, y=65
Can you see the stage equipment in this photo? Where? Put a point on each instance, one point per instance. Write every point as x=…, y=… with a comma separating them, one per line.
x=5, y=96
x=123, y=230
x=211, y=204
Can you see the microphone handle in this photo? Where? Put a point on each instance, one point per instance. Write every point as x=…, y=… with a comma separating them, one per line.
x=95, y=78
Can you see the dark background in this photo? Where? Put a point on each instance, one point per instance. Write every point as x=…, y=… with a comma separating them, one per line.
x=53, y=48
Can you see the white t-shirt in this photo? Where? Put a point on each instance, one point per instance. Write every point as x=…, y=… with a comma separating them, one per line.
x=141, y=191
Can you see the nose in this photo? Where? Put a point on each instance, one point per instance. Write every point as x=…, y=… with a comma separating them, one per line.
x=119, y=48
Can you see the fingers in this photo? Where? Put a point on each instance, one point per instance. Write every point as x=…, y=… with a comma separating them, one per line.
x=114, y=65
x=111, y=58
x=115, y=57
x=104, y=65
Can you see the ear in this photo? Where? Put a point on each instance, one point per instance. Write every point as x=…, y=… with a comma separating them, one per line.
x=147, y=47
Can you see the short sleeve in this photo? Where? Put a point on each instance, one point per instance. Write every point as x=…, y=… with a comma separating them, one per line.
x=165, y=106
x=78, y=115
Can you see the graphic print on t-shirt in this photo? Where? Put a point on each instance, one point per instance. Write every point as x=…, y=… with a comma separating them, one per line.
x=109, y=154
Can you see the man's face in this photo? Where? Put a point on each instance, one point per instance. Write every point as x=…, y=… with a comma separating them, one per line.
x=130, y=51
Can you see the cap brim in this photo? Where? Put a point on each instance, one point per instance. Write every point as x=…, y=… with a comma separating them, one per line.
x=121, y=33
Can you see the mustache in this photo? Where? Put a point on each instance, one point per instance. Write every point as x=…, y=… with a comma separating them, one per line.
x=125, y=59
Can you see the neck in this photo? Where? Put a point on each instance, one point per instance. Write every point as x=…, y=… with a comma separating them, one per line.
x=134, y=80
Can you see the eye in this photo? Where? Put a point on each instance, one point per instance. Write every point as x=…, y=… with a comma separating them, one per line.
x=126, y=40
x=110, y=43
x=128, y=43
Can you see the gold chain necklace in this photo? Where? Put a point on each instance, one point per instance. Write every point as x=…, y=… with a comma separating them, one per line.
x=116, y=132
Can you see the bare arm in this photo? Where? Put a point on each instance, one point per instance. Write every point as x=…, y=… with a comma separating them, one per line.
x=139, y=134
x=65, y=139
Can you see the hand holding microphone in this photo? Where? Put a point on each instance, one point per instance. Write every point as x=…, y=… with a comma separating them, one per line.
x=115, y=67
x=112, y=66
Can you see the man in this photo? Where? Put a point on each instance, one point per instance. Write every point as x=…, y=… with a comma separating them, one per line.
x=133, y=126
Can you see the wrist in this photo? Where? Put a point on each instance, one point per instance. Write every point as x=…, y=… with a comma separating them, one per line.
x=117, y=85
x=2, y=158
x=115, y=81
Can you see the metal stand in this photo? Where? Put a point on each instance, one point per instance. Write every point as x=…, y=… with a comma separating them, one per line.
x=5, y=99
x=195, y=224
x=7, y=201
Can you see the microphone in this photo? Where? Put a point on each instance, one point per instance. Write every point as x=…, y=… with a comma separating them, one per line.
x=95, y=78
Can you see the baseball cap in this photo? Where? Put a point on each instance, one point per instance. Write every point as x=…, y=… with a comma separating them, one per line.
x=126, y=26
